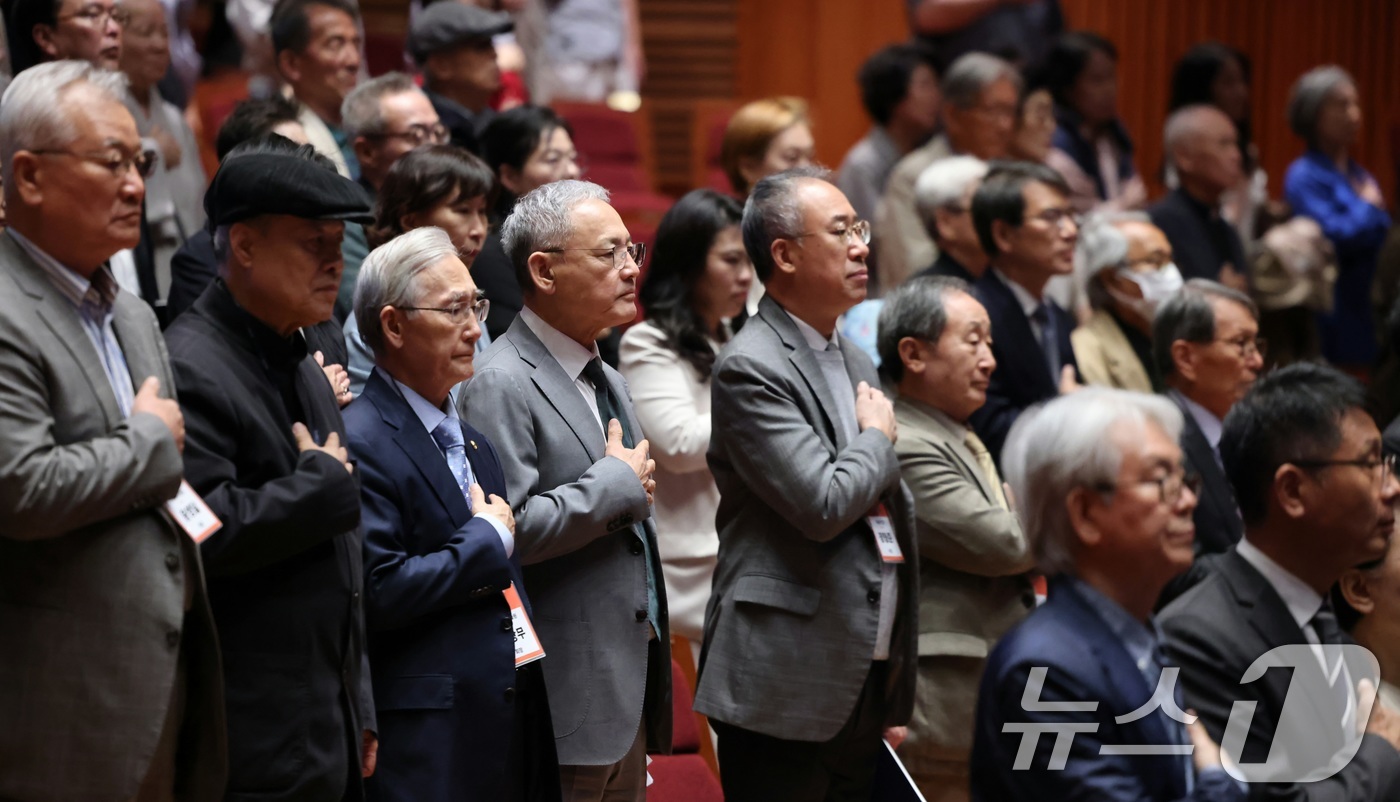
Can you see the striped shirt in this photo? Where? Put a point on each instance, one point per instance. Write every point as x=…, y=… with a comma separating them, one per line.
x=93, y=300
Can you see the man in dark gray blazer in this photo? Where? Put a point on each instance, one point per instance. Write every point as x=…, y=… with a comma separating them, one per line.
x=580, y=482
x=110, y=686
x=810, y=632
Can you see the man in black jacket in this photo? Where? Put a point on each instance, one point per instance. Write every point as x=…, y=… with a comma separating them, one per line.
x=264, y=449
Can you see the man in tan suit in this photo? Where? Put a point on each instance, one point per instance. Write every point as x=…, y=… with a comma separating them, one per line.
x=935, y=345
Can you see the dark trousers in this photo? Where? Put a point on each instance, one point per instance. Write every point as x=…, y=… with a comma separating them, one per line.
x=762, y=768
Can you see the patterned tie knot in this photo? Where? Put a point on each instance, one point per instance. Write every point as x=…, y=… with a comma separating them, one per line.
x=448, y=434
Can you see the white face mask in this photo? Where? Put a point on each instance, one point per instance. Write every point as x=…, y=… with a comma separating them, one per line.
x=1157, y=286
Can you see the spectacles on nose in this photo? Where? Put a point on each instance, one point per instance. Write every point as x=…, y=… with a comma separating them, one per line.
x=619, y=253
x=1169, y=487
x=97, y=16
x=848, y=234
x=118, y=163
x=420, y=134
x=459, y=313
x=1385, y=463
x=1056, y=218
x=1248, y=346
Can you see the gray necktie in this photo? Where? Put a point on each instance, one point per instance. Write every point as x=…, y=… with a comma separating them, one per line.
x=1049, y=343
x=448, y=436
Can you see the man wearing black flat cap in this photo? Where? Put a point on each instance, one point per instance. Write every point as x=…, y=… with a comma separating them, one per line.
x=264, y=447
x=451, y=43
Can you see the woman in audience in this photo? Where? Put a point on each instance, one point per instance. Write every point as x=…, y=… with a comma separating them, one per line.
x=699, y=279
x=526, y=147
x=765, y=137
x=1324, y=109
x=1035, y=122
x=1092, y=149
x=435, y=185
x=1217, y=75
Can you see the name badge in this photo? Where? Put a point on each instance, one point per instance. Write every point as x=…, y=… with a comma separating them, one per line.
x=885, y=541
x=527, y=643
x=192, y=514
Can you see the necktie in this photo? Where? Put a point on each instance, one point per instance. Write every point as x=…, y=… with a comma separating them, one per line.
x=1049, y=344
x=1324, y=623
x=448, y=436
x=988, y=466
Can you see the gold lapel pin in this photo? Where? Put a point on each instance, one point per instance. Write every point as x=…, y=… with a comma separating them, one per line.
x=473, y=442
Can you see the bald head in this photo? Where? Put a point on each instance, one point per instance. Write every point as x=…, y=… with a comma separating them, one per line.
x=1202, y=144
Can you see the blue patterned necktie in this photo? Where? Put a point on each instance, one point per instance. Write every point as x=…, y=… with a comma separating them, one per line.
x=1048, y=342
x=448, y=435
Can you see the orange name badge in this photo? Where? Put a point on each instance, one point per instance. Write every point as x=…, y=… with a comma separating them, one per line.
x=885, y=541
x=192, y=514
x=527, y=643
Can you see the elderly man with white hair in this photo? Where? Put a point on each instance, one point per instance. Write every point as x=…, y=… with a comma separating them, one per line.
x=1124, y=265
x=579, y=478
x=1203, y=147
x=1100, y=486
x=441, y=569
x=943, y=195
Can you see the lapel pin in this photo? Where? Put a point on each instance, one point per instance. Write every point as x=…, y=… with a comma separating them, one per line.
x=473, y=442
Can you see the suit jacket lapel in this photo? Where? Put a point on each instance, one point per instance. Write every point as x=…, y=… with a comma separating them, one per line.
x=417, y=444
x=956, y=442
x=1213, y=481
x=807, y=367
x=1018, y=337
x=558, y=389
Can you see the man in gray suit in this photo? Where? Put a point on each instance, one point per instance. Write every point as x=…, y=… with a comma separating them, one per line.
x=809, y=634
x=110, y=687
x=579, y=479
x=935, y=343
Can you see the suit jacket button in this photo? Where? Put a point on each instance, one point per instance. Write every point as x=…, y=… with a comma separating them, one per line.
x=173, y=638
x=641, y=615
x=505, y=625
x=635, y=546
x=873, y=597
x=510, y=694
x=172, y=561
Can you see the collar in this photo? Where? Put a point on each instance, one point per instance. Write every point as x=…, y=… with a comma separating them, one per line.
x=952, y=428
x=814, y=338
x=1139, y=640
x=430, y=416
x=1321, y=161
x=882, y=144
x=1029, y=303
x=102, y=288
x=1302, y=601
x=1210, y=425
x=280, y=354
x=571, y=356
x=1203, y=210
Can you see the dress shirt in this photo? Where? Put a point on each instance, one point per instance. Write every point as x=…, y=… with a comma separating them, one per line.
x=431, y=416
x=93, y=302
x=1210, y=425
x=833, y=367
x=571, y=356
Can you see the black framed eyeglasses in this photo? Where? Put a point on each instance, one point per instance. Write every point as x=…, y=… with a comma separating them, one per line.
x=1385, y=462
x=1249, y=345
x=420, y=134
x=459, y=313
x=1169, y=487
x=637, y=251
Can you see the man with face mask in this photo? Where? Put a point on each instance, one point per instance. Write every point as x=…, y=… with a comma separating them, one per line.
x=1126, y=266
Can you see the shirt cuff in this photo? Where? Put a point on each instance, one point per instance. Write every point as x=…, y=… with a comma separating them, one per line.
x=507, y=539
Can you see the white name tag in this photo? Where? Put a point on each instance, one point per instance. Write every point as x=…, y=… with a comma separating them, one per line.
x=192, y=514
x=880, y=524
x=527, y=643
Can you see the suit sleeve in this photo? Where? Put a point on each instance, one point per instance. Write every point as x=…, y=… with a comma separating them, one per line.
x=679, y=433
x=776, y=452
x=48, y=489
x=262, y=525
x=402, y=586
x=554, y=521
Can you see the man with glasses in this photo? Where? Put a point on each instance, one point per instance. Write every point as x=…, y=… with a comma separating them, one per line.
x=1079, y=701
x=451, y=43
x=265, y=450
x=1318, y=499
x=1028, y=229
x=384, y=118
x=579, y=478
x=53, y=30
x=810, y=638
x=442, y=574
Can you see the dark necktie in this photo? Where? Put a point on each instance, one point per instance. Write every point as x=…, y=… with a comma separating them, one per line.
x=1324, y=623
x=1049, y=343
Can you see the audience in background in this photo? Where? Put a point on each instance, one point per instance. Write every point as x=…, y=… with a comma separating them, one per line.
x=943, y=195
x=451, y=42
x=582, y=50
x=980, y=95
x=1092, y=149
x=935, y=340
x=698, y=282
x=1324, y=110
x=899, y=90
x=1125, y=265
x=316, y=44
x=1020, y=32
x=1035, y=122
x=765, y=137
x=53, y=30
x=1204, y=152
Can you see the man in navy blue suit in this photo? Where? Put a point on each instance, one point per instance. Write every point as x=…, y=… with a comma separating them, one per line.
x=462, y=708
x=1027, y=227
x=1077, y=701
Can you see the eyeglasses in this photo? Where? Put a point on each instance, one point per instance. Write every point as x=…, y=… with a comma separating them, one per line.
x=637, y=251
x=1248, y=345
x=420, y=134
x=1056, y=217
x=1386, y=464
x=97, y=16
x=859, y=230
x=457, y=312
x=118, y=163
x=1169, y=487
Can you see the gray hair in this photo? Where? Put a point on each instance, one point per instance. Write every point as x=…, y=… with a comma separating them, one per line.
x=389, y=277
x=966, y=77
x=1189, y=316
x=915, y=309
x=361, y=113
x=1067, y=444
x=772, y=213
x=33, y=115
x=945, y=183
x=1182, y=125
x=1308, y=95
x=541, y=220
x=1102, y=245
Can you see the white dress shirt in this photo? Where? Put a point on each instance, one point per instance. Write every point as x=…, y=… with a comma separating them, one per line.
x=571, y=356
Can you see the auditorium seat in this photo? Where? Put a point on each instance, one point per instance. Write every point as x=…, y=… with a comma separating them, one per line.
x=685, y=775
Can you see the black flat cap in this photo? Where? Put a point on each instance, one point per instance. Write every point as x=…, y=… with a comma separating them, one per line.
x=279, y=183
x=449, y=23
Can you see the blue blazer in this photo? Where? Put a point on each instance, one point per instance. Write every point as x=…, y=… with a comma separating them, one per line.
x=441, y=651
x=1022, y=378
x=1085, y=662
